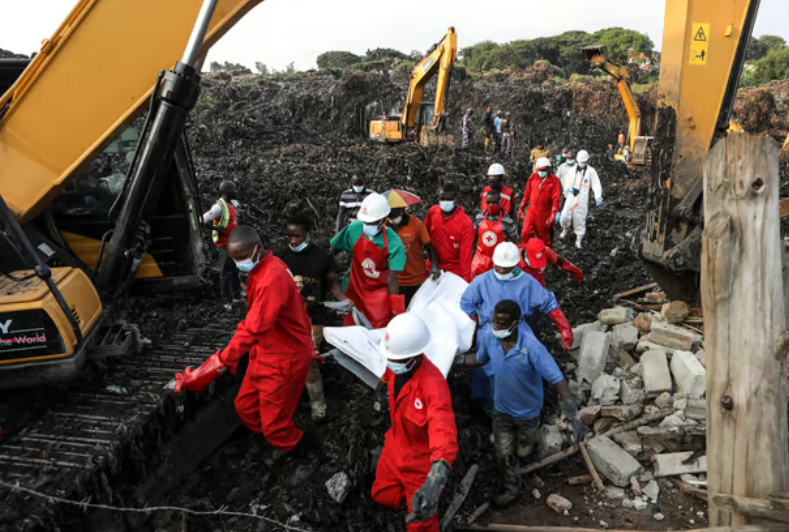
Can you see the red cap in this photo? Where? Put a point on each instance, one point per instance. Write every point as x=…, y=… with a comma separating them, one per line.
x=535, y=251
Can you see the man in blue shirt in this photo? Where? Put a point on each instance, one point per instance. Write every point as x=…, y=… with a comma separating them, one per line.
x=520, y=362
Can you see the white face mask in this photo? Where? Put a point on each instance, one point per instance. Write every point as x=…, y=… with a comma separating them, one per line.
x=514, y=274
x=447, y=206
x=582, y=165
x=247, y=265
x=358, y=190
x=395, y=221
x=371, y=230
x=571, y=161
x=504, y=333
x=301, y=247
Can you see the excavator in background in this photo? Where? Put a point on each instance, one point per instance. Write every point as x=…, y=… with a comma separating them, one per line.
x=92, y=197
x=422, y=122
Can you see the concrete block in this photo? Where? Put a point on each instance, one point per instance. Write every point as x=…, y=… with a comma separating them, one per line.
x=551, y=440
x=672, y=421
x=615, y=316
x=677, y=338
x=696, y=409
x=689, y=374
x=657, y=378
x=638, y=369
x=581, y=330
x=605, y=390
x=630, y=442
x=558, y=504
x=679, y=401
x=663, y=400
x=652, y=490
x=701, y=357
x=646, y=344
x=589, y=414
x=667, y=465
x=623, y=412
x=632, y=391
x=594, y=355
x=613, y=462
x=625, y=361
x=624, y=336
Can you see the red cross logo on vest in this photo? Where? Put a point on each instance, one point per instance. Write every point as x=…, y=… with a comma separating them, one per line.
x=418, y=404
x=489, y=238
x=368, y=266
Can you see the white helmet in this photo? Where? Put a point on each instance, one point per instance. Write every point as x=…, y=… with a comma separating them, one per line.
x=506, y=255
x=543, y=162
x=496, y=169
x=583, y=156
x=375, y=207
x=406, y=336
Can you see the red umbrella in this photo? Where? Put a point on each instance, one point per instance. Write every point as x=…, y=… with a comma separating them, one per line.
x=401, y=198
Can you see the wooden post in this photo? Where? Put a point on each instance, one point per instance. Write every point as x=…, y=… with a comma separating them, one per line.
x=745, y=337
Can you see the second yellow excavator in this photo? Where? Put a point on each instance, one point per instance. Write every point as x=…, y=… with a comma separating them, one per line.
x=421, y=122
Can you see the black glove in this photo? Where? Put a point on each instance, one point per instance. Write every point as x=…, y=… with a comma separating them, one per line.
x=570, y=411
x=424, y=503
x=575, y=191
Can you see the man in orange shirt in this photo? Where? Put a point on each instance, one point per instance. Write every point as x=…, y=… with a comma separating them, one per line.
x=413, y=233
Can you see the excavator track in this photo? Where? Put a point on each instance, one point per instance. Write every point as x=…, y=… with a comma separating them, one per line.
x=126, y=436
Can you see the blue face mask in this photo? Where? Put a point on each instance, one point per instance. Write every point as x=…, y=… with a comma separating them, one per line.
x=247, y=265
x=301, y=247
x=371, y=230
x=447, y=206
x=398, y=368
x=542, y=173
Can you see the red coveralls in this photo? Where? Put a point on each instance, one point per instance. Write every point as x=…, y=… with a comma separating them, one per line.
x=550, y=255
x=542, y=196
x=507, y=197
x=367, y=282
x=453, y=240
x=489, y=235
x=277, y=335
x=423, y=431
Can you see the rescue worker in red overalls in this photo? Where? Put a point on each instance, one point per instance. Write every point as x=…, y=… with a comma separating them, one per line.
x=452, y=233
x=276, y=333
x=542, y=195
x=421, y=445
x=378, y=256
x=495, y=175
x=535, y=256
x=493, y=227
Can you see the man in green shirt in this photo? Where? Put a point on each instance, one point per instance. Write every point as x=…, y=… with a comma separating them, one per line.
x=377, y=256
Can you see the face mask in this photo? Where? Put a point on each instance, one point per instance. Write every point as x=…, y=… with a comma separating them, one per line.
x=398, y=368
x=582, y=165
x=542, y=173
x=495, y=186
x=371, y=230
x=301, y=247
x=494, y=209
x=447, y=206
x=571, y=161
x=247, y=265
x=395, y=221
x=358, y=190
x=504, y=276
x=504, y=333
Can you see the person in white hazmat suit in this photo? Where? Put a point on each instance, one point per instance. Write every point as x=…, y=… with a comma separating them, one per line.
x=580, y=180
x=565, y=169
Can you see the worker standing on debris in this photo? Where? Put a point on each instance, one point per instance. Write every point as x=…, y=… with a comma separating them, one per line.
x=421, y=444
x=468, y=129
x=537, y=153
x=451, y=232
x=416, y=240
x=582, y=178
x=542, y=196
x=495, y=176
x=221, y=219
x=564, y=171
x=351, y=201
x=487, y=127
x=276, y=334
x=497, y=129
x=493, y=226
x=506, y=135
x=520, y=362
x=505, y=281
x=535, y=256
x=378, y=257
x=315, y=273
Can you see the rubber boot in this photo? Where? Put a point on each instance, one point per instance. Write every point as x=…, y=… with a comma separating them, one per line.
x=578, y=240
x=511, y=485
x=563, y=233
x=317, y=400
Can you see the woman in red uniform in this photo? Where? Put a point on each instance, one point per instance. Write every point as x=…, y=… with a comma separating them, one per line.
x=493, y=226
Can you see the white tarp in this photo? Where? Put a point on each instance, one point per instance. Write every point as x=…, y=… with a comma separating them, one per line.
x=438, y=304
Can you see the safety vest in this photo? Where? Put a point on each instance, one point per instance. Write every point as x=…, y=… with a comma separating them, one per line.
x=226, y=221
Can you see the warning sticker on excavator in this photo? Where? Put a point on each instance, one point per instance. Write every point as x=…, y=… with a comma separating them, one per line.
x=699, y=44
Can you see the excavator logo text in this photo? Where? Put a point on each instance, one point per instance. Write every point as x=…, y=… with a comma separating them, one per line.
x=5, y=326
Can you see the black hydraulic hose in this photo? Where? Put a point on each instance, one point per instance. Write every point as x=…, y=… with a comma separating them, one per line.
x=100, y=257
x=42, y=270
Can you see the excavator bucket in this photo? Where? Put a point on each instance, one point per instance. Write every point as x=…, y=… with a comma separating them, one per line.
x=597, y=54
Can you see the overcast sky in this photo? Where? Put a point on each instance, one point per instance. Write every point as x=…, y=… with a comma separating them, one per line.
x=277, y=32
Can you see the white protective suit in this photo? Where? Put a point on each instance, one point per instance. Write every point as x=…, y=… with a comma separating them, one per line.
x=564, y=170
x=576, y=207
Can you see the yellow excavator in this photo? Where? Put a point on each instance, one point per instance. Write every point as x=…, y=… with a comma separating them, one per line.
x=422, y=122
x=93, y=197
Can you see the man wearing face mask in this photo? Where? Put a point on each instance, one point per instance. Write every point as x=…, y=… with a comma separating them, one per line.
x=421, y=444
x=315, y=273
x=415, y=238
x=520, y=363
x=582, y=179
x=493, y=226
x=221, y=219
x=537, y=153
x=495, y=175
x=276, y=334
x=451, y=232
x=535, y=256
x=351, y=201
x=542, y=196
x=377, y=258
x=564, y=171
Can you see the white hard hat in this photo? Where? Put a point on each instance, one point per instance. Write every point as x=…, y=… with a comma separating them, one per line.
x=496, y=169
x=543, y=162
x=406, y=336
x=375, y=207
x=506, y=255
x=583, y=156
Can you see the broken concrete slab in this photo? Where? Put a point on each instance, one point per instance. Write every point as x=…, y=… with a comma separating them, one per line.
x=614, y=493
x=674, y=337
x=558, y=504
x=638, y=369
x=657, y=378
x=581, y=330
x=623, y=412
x=689, y=374
x=672, y=421
x=594, y=355
x=696, y=409
x=624, y=336
x=615, y=316
x=652, y=490
x=663, y=400
x=701, y=357
x=632, y=391
x=630, y=442
x=613, y=462
x=551, y=440
x=589, y=414
x=625, y=360
x=667, y=465
x=605, y=390
x=679, y=401
x=646, y=344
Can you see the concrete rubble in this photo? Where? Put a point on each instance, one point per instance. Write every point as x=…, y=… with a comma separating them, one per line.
x=594, y=355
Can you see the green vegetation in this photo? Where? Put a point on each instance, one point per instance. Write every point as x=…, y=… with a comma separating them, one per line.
x=768, y=58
